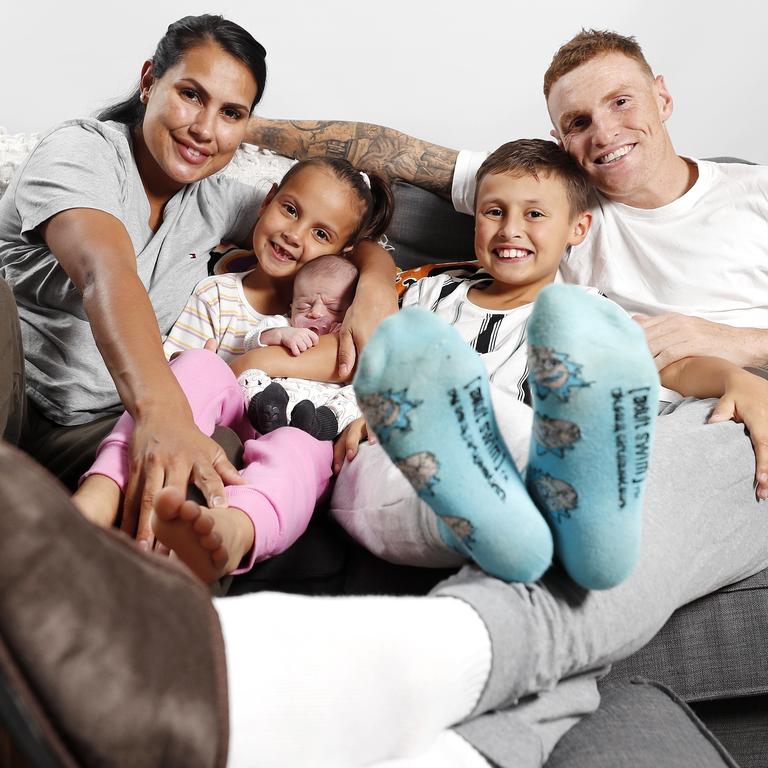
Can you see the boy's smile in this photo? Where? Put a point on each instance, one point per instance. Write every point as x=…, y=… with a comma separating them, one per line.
x=523, y=226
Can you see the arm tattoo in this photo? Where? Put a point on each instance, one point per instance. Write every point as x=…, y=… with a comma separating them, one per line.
x=390, y=153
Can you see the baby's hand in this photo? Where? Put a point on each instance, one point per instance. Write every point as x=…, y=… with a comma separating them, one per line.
x=297, y=340
x=745, y=400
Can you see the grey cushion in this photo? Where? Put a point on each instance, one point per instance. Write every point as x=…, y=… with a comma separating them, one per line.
x=426, y=229
x=640, y=725
x=712, y=648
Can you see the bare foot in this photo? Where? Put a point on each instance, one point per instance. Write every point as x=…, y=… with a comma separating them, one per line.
x=211, y=542
x=98, y=498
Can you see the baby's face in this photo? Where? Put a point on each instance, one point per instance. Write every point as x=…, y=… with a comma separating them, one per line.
x=320, y=301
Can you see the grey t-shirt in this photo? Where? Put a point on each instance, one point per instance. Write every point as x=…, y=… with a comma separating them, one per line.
x=89, y=164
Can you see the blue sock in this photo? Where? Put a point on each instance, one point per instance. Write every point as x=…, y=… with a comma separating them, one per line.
x=595, y=393
x=424, y=391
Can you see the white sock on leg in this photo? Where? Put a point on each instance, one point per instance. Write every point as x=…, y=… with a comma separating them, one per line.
x=448, y=750
x=345, y=682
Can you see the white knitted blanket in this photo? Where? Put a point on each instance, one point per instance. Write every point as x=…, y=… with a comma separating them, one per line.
x=250, y=164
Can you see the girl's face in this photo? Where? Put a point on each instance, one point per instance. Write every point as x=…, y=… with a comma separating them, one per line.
x=311, y=215
x=196, y=116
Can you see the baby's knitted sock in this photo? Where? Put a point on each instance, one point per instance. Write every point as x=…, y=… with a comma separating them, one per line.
x=350, y=681
x=320, y=422
x=267, y=410
x=595, y=393
x=424, y=392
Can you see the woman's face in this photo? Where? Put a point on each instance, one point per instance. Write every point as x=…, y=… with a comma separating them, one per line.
x=196, y=116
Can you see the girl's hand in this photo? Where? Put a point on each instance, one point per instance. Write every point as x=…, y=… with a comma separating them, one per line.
x=368, y=309
x=167, y=449
x=746, y=401
x=297, y=340
x=348, y=442
x=375, y=299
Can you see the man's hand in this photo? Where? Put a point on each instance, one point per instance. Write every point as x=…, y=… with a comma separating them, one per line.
x=167, y=449
x=348, y=442
x=297, y=340
x=672, y=337
x=746, y=401
x=369, y=147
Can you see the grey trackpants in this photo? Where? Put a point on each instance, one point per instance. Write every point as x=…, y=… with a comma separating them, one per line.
x=703, y=529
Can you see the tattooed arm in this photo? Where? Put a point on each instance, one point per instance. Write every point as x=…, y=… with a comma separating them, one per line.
x=390, y=153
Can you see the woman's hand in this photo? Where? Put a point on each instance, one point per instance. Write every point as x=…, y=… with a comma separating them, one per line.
x=167, y=449
x=348, y=442
x=745, y=400
x=375, y=299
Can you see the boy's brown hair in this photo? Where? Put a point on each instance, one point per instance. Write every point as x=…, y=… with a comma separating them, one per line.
x=532, y=157
x=585, y=46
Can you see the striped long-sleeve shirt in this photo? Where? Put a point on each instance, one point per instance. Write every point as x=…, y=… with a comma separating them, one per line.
x=218, y=309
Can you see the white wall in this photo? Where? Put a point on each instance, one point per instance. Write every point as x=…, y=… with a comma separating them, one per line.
x=463, y=73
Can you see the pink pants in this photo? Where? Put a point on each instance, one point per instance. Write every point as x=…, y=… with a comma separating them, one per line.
x=287, y=470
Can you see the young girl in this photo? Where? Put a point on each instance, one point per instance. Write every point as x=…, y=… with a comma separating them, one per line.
x=322, y=206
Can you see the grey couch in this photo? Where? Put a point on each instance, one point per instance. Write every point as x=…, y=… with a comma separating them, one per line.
x=711, y=652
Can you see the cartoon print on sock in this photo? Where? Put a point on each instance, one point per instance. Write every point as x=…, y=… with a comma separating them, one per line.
x=554, y=435
x=553, y=372
x=461, y=528
x=388, y=411
x=556, y=496
x=420, y=470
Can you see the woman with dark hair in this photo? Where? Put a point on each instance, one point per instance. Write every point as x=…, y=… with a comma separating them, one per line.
x=103, y=234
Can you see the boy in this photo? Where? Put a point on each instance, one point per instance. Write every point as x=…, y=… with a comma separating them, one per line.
x=594, y=396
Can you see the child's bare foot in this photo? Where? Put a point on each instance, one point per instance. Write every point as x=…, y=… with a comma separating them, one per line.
x=211, y=542
x=98, y=498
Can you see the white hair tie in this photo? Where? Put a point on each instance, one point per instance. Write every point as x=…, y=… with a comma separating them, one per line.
x=366, y=179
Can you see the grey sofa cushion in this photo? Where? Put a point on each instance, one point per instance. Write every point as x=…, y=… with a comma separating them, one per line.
x=426, y=229
x=713, y=648
x=640, y=724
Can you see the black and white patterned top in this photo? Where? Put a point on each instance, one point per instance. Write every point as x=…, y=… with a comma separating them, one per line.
x=499, y=336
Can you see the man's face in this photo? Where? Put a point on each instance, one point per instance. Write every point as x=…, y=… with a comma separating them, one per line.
x=610, y=114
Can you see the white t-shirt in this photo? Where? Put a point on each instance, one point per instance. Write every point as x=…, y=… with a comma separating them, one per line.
x=704, y=254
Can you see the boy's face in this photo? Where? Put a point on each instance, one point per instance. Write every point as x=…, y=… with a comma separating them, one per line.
x=523, y=226
x=320, y=301
x=610, y=114
x=311, y=215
